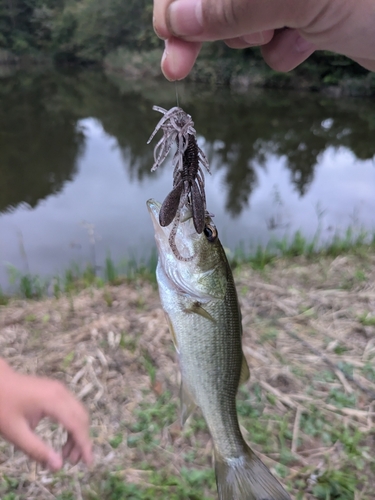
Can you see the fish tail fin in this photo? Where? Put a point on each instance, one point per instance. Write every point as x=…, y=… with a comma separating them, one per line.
x=246, y=478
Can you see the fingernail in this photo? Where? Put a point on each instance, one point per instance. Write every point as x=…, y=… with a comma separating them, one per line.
x=303, y=45
x=156, y=30
x=54, y=462
x=166, y=67
x=254, y=38
x=186, y=17
x=165, y=53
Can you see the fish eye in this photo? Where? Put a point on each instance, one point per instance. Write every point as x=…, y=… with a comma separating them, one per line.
x=210, y=233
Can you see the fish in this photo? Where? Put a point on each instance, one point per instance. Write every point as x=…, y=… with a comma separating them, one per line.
x=188, y=179
x=201, y=306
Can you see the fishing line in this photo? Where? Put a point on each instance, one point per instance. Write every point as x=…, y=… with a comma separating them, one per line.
x=176, y=89
x=174, y=64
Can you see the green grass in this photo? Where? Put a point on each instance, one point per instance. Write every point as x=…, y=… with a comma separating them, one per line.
x=161, y=484
x=4, y=299
x=150, y=420
x=358, y=242
x=272, y=433
x=366, y=319
x=269, y=432
x=76, y=278
x=335, y=484
x=333, y=456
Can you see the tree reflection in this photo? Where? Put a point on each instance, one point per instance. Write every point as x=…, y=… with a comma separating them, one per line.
x=40, y=142
x=297, y=127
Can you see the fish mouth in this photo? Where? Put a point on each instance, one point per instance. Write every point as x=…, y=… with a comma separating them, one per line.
x=153, y=208
x=185, y=233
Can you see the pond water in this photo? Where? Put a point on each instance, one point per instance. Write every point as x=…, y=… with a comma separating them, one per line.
x=75, y=166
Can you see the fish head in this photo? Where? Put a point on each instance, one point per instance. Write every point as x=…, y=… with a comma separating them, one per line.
x=202, y=272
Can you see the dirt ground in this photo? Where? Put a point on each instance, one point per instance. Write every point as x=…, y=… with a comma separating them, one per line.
x=309, y=338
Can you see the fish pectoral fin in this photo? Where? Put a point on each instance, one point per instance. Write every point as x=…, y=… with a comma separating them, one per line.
x=245, y=371
x=171, y=329
x=197, y=308
x=188, y=404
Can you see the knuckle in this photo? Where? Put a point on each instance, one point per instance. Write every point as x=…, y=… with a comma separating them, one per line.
x=231, y=14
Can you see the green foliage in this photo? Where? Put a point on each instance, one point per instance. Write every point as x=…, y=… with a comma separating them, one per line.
x=367, y=319
x=110, y=271
x=298, y=246
x=151, y=419
x=28, y=285
x=8, y=487
x=3, y=298
x=68, y=495
x=76, y=29
x=341, y=399
x=336, y=484
x=89, y=30
x=116, y=440
x=161, y=484
x=77, y=278
x=134, y=63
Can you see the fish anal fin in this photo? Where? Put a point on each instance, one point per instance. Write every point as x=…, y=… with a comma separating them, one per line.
x=197, y=308
x=245, y=371
x=188, y=404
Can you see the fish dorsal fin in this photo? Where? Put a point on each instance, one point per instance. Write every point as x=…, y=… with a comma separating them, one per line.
x=197, y=308
x=245, y=372
x=188, y=404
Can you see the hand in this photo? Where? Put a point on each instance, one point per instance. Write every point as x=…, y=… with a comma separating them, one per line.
x=25, y=400
x=342, y=26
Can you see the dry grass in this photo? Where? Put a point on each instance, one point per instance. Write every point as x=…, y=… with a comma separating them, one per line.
x=309, y=408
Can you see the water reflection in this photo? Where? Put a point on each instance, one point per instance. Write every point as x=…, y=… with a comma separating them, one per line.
x=40, y=142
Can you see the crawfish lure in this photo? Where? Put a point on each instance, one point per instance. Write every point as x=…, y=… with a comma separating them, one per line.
x=188, y=179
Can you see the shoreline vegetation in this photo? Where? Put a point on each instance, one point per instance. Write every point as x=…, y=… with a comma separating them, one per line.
x=77, y=277
x=324, y=74
x=307, y=410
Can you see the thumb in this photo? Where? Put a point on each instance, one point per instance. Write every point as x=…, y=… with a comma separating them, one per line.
x=27, y=441
x=205, y=20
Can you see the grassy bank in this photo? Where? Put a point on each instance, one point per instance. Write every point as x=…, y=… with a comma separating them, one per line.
x=309, y=338
x=77, y=278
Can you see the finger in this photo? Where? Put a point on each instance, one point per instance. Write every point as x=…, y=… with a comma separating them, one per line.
x=67, y=448
x=366, y=63
x=23, y=438
x=75, y=456
x=68, y=411
x=251, y=40
x=286, y=50
x=205, y=20
x=159, y=19
x=178, y=58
